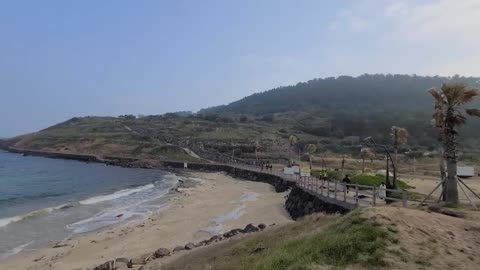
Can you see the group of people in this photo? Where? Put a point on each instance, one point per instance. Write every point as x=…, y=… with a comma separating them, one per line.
x=381, y=192
x=267, y=165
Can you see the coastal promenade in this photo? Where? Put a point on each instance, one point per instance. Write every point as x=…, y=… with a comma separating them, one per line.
x=344, y=197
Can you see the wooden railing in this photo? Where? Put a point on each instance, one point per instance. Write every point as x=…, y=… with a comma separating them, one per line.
x=359, y=195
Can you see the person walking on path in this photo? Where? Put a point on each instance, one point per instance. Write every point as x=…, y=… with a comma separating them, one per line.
x=382, y=193
x=346, y=181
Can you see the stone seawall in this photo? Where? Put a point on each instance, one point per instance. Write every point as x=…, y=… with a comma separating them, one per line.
x=280, y=184
x=79, y=157
x=111, y=160
x=302, y=202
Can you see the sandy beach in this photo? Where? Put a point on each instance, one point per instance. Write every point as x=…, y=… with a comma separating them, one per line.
x=208, y=204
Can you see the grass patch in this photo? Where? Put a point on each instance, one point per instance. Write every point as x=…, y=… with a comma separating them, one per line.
x=331, y=174
x=349, y=240
x=376, y=180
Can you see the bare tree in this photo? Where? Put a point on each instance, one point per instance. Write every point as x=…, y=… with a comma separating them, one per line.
x=448, y=115
x=311, y=149
x=399, y=136
x=365, y=153
x=293, y=140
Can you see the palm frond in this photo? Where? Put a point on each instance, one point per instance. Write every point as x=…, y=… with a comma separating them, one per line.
x=459, y=119
x=473, y=112
x=438, y=96
x=469, y=96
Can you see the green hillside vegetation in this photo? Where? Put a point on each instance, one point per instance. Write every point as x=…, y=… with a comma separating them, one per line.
x=101, y=136
x=367, y=105
x=333, y=114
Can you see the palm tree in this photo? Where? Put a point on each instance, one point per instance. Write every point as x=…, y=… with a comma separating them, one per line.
x=448, y=115
x=399, y=136
x=311, y=149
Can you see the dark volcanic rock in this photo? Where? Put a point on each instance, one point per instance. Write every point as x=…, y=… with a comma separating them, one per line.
x=232, y=233
x=250, y=228
x=190, y=246
x=105, y=266
x=261, y=226
x=161, y=252
x=301, y=203
x=215, y=238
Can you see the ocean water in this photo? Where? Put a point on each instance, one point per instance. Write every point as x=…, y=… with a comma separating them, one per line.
x=43, y=201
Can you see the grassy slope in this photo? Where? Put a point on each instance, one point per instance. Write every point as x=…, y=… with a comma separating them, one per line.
x=370, y=238
x=313, y=243
x=156, y=137
x=102, y=136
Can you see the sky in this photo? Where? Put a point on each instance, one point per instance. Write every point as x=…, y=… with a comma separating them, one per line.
x=60, y=59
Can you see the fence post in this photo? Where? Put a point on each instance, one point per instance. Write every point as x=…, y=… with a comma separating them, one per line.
x=374, y=200
x=328, y=189
x=335, y=196
x=344, y=192
x=356, y=194
x=404, y=198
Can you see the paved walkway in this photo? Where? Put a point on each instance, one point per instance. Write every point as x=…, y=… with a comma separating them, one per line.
x=359, y=195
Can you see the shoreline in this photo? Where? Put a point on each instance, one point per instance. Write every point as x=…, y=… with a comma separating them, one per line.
x=204, y=204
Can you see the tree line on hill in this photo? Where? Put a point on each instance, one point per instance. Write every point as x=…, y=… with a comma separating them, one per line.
x=367, y=105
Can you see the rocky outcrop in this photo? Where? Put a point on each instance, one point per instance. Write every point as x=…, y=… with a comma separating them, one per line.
x=301, y=202
x=250, y=228
x=161, y=252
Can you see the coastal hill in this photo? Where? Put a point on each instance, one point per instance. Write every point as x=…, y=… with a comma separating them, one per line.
x=332, y=113
x=363, y=106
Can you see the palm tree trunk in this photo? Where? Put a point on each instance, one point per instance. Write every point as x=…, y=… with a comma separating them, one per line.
x=443, y=171
x=395, y=152
x=450, y=146
x=451, y=187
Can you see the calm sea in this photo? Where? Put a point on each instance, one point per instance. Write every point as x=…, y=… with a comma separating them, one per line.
x=43, y=201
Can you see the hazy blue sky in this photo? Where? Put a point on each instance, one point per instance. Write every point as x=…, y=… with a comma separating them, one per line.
x=60, y=59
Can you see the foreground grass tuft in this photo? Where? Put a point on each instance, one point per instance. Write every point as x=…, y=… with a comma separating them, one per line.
x=309, y=244
x=350, y=240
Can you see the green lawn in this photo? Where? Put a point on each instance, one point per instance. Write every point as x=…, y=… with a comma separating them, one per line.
x=376, y=180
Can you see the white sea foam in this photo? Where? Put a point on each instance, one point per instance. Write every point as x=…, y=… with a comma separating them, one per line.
x=5, y=221
x=15, y=250
x=116, y=195
x=249, y=197
x=139, y=204
x=235, y=214
x=37, y=213
x=216, y=226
